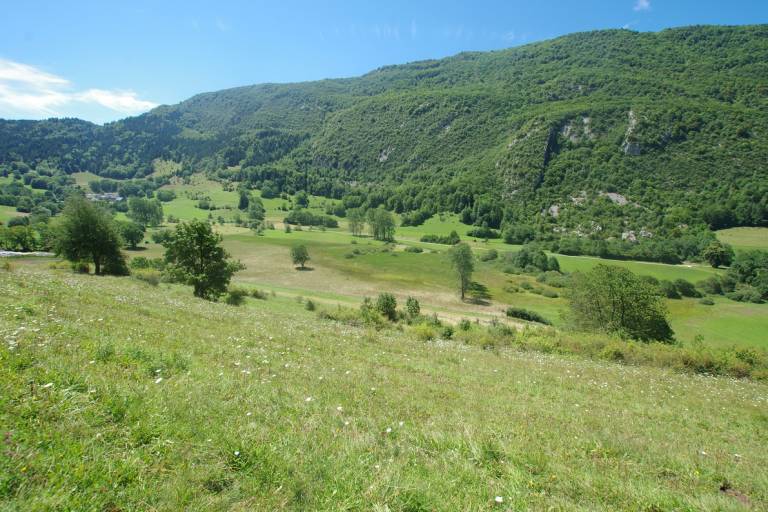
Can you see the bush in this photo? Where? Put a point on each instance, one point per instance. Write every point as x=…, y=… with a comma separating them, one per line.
x=668, y=289
x=412, y=307
x=140, y=262
x=451, y=239
x=258, y=294
x=424, y=332
x=524, y=314
x=465, y=324
x=550, y=294
x=149, y=276
x=309, y=305
x=686, y=288
x=745, y=293
x=707, y=301
x=166, y=195
x=236, y=296
x=489, y=255
x=484, y=232
x=386, y=305
x=412, y=249
x=711, y=285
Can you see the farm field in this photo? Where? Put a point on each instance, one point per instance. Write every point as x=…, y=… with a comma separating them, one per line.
x=743, y=239
x=356, y=418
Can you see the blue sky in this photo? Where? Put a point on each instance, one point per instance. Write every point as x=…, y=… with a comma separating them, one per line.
x=104, y=60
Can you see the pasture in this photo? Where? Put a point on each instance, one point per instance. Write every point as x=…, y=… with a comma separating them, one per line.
x=121, y=396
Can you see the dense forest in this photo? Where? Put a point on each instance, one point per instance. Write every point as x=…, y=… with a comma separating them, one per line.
x=610, y=142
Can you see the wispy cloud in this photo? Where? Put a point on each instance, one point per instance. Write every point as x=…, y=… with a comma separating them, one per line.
x=223, y=25
x=27, y=91
x=642, y=5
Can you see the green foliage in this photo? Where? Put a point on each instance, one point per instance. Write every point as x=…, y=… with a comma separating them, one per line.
x=386, y=306
x=463, y=264
x=382, y=224
x=194, y=256
x=524, y=314
x=613, y=299
x=299, y=255
x=489, y=255
x=87, y=232
x=750, y=268
x=412, y=307
x=530, y=258
x=132, y=233
x=451, y=239
x=236, y=296
x=307, y=218
x=148, y=212
x=718, y=254
x=165, y=196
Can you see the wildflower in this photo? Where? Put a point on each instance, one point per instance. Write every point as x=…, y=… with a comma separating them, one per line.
x=389, y=430
x=49, y=385
x=339, y=408
x=237, y=453
x=158, y=380
x=308, y=399
x=499, y=499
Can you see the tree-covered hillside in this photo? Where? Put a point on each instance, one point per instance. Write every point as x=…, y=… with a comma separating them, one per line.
x=609, y=134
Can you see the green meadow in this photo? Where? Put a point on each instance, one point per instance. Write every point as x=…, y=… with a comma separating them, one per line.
x=115, y=395
x=345, y=269
x=743, y=239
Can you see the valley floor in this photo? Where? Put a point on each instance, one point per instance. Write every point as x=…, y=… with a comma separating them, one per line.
x=115, y=395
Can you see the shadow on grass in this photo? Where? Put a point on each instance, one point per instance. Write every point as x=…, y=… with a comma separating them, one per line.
x=304, y=269
x=478, y=294
x=136, y=249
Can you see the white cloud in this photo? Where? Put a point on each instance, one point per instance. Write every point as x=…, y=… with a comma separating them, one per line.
x=643, y=5
x=29, y=92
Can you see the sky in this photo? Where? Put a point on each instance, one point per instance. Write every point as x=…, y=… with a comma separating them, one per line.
x=105, y=60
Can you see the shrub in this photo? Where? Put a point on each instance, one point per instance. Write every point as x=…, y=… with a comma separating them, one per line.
x=711, y=285
x=484, y=232
x=258, y=294
x=424, y=332
x=489, y=255
x=524, y=314
x=745, y=293
x=236, y=296
x=686, y=288
x=451, y=239
x=309, y=305
x=707, y=301
x=668, y=289
x=386, y=305
x=413, y=249
x=465, y=324
x=550, y=294
x=149, y=276
x=412, y=307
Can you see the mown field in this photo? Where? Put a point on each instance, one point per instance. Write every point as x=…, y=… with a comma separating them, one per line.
x=119, y=396
x=743, y=239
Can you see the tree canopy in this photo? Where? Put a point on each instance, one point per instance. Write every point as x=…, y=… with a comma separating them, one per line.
x=194, y=256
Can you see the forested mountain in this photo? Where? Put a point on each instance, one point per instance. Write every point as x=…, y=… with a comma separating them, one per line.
x=602, y=134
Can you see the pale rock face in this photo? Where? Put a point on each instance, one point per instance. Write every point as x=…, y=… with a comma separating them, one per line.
x=630, y=146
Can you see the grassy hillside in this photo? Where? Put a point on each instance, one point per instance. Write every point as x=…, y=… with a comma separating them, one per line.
x=119, y=396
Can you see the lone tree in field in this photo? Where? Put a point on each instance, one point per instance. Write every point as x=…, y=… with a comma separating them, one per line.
x=86, y=232
x=718, y=254
x=613, y=299
x=195, y=257
x=299, y=255
x=244, y=201
x=463, y=263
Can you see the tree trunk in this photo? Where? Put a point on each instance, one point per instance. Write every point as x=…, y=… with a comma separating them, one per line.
x=97, y=265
